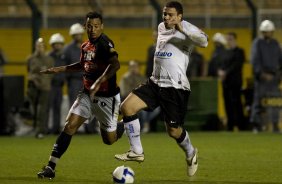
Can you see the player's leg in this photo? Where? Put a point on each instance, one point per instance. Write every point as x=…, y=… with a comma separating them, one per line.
x=78, y=114
x=106, y=111
x=174, y=104
x=129, y=108
x=111, y=136
x=62, y=143
x=182, y=138
x=145, y=96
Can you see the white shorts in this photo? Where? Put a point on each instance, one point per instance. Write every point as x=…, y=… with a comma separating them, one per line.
x=105, y=109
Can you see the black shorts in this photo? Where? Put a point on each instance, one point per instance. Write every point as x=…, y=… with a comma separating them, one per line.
x=173, y=102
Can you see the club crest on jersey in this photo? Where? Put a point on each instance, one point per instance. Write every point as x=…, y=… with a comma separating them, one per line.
x=163, y=54
x=89, y=55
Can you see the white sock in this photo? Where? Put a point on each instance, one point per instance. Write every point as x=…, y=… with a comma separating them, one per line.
x=186, y=146
x=132, y=129
x=54, y=159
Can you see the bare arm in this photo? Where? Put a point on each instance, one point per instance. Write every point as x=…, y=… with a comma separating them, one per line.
x=110, y=71
x=75, y=67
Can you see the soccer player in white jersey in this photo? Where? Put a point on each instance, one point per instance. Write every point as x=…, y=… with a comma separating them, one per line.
x=168, y=87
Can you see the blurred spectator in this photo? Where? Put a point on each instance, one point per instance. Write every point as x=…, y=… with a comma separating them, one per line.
x=196, y=65
x=72, y=55
x=57, y=43
x=39, y=87
x=266, y=59
x=217, y=55
x=230, y=73
x=131, y=79
x=150, y=55
x=3, y=61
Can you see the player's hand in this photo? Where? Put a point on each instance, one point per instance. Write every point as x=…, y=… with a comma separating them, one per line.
x=94, y=88
x=178, y=27
x=49, y=71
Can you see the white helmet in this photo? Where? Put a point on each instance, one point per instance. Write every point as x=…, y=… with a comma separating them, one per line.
x=56, y=38
x=267, y=26
x=218, y=37
x=76, y=29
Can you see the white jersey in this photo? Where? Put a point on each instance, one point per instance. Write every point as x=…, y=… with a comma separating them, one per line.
x=172, y=54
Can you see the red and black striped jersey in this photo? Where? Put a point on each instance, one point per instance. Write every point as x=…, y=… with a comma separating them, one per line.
x=94, y=59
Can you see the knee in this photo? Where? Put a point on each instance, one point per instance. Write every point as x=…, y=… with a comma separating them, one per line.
x=173, y=132
x=70, y=128
x=108, y=141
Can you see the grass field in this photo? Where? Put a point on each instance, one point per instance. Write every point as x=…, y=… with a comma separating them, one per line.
x=223, y=158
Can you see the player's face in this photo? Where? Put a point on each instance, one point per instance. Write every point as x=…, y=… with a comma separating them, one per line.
x=94, y=28
x=170, y=17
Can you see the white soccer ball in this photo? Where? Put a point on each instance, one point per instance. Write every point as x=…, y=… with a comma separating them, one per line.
x=123, y=174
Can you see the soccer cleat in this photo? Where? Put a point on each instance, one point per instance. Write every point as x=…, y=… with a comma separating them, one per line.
x=192, y=163
x=130, y=156
x=47, y=172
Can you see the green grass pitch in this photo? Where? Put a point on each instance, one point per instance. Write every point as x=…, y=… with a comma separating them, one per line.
x=223, y=158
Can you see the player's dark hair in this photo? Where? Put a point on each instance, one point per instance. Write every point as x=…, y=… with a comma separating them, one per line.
x=94, y=15
x=174, y=4
x=232, y=34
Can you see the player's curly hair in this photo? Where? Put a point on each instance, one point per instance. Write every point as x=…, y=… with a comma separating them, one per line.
x=93, y=15
x=174, y=4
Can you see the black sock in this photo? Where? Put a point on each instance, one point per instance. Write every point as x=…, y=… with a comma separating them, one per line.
x=61, y=145
x=129, y=118
x=52, y=165
x=182, y=136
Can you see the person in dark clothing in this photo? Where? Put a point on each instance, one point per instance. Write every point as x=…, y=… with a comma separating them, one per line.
x=3, y=61
x=72, y=55
x=150, y=55
x=196, y=65
x=266, y=58
x=230, y=73
x=57, y=42
x=217, y=55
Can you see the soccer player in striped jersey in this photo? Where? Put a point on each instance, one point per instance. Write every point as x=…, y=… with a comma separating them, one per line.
x=100, y=96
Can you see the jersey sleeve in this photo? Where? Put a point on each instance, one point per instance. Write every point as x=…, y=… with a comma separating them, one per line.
x=197, y=36
x=108, y=47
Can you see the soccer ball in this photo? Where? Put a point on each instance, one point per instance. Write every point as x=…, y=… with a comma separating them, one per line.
x=123, y=174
